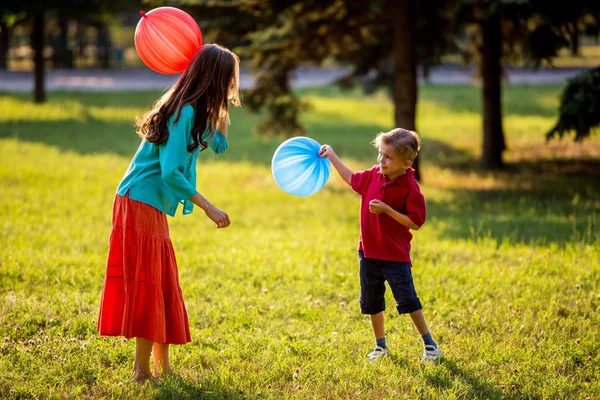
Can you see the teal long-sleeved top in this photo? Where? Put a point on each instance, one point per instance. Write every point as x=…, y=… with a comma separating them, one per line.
x=165, y=175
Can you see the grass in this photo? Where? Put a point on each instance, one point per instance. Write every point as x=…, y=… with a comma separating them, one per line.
x=507, y=265
x=588, y=57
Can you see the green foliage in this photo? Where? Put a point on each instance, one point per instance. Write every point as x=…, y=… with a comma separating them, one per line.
x=543, y=43
x=277, y=37
x=579, y=110
x=72, y=8
x=505, y=265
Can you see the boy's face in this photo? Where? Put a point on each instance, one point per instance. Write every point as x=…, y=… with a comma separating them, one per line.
x=391, y=163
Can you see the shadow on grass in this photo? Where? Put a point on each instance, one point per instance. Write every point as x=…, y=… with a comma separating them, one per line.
x=543, y=100
x=537, y=216
x=534, y=196
x=468, y=99
x=528, y=208
x=183, y=388
x=137, y=99
x=478, y=388
x=445, y=375
x=89, y=135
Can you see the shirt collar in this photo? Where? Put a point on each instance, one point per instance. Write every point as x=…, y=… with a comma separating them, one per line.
x=410, y=173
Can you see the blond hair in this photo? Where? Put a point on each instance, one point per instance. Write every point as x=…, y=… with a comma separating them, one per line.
x=407, y=143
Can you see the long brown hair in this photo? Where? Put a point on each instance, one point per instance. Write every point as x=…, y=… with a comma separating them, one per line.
x=209, y=81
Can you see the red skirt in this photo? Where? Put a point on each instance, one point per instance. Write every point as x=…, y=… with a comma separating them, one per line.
x=141, y=295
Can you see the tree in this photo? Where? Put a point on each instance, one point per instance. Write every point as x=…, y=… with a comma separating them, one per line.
x=503, y=28
x=568, y=20
x=280, y=36
x=495, y=27
x=4, y=41
x=37, y=43
x=36, y=11
x=8, y=20
x=579, y=110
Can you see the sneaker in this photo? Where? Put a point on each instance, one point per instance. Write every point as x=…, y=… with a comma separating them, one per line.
x=432, y=353
x=379, y=352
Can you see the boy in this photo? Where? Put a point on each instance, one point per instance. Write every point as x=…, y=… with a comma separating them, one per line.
x=391, y=205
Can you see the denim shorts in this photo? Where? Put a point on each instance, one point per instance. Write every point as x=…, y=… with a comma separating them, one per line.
x=374, y=273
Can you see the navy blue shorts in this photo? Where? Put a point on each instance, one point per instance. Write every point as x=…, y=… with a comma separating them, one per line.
x=374, y=273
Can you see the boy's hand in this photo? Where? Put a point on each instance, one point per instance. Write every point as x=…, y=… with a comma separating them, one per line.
x=378, y=207
x=326, y=151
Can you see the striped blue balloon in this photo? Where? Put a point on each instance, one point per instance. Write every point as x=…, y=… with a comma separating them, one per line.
x=297, y=167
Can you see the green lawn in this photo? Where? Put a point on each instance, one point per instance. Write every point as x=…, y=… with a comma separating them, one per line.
x=507, y=265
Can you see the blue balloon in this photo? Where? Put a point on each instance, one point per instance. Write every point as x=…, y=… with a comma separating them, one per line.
x=297, y=167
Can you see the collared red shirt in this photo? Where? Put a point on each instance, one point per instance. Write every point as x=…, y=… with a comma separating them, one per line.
x=381, y=236
x=164, y=175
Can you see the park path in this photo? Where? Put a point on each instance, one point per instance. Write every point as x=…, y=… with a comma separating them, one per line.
x=146, y=79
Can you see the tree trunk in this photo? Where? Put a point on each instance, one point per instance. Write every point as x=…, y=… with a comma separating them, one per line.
x=65, y=56
x=4, y=44
x=493, y=135
x=575, y=34
x=404, y=90
x=37, y=43
x=103, y=45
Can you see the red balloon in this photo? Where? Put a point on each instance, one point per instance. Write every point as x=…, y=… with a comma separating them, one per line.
x=166, y=39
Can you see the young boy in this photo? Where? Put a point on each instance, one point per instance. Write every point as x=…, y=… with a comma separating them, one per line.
x=391, y=205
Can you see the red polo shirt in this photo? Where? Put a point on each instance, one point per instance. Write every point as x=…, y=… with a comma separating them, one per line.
x=381, y=236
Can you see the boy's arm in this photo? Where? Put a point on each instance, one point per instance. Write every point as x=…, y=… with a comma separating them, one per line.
x=342, y=169
x=378, y=207
x=415, y=208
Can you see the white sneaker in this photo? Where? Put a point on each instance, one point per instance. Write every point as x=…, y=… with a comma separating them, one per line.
x=432, y=353
x=379, y=352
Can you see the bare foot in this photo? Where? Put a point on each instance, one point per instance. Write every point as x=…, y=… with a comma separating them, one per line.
x=141, y=377
x=169, y=372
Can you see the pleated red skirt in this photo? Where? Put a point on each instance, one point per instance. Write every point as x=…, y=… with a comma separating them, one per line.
x=141, y=296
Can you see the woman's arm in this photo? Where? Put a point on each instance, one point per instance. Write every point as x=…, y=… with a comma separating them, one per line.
x=223, y=125
x=219, y=217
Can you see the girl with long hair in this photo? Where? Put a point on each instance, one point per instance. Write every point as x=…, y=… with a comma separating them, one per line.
x=141, y=297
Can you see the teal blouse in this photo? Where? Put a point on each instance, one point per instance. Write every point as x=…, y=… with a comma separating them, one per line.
x=165, y=175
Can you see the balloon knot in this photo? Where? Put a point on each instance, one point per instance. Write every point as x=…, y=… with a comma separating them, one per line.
x=143, y=13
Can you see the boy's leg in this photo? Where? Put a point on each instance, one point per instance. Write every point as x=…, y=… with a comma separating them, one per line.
x=431, y=352
x=399, y=276
x=372, y=302
x=377, y=324
x=141, y=365
x=419, y=320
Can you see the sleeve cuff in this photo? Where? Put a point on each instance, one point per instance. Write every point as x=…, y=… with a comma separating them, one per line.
x=218, y=144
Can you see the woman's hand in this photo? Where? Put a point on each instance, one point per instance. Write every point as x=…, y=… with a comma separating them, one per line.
x=219, y=217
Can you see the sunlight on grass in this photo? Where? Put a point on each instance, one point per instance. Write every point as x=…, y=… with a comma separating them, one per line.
x=115, y=114
x=353, y=111
x=507, y=264
x=589, y=57
x=14, y=110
